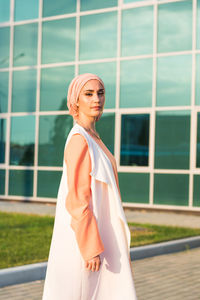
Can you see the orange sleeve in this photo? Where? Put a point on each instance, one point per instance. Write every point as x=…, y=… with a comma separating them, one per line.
x=83, y=221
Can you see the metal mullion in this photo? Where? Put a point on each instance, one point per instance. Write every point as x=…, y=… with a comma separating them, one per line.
x=117, y=133
x=77, y=38
x=193, y=117
x=8, y=122
x=39, y=50
x=41, y=168
x=153, y=112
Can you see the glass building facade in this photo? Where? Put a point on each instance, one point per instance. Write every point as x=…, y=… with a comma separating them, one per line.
x=148, y=55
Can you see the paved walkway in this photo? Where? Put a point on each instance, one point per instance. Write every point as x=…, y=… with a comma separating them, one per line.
x=143, y=216
x=164, y=277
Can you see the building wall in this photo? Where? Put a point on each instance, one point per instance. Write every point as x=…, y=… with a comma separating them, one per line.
x=148, y=55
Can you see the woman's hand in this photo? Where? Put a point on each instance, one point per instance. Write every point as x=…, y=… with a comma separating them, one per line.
x=93, y=264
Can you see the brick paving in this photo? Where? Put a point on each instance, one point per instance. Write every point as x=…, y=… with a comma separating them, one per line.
x=166, y=277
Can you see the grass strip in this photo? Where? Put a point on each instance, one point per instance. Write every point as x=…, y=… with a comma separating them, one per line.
x=145, y=234
x=26, y=238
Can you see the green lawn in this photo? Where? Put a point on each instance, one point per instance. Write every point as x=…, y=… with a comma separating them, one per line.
x=25, y=239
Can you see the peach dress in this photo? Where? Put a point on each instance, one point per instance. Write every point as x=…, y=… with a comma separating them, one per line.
x=77, y=158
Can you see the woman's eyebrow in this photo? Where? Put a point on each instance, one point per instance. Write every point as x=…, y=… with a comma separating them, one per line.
x=93, y=90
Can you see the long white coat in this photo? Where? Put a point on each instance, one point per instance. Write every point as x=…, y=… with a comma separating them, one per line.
x=66, y=275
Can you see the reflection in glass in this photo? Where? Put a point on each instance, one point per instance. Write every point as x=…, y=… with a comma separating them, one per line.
x=197, y=96
x=174, y=75
x=2, y=182
x=107, y=72
x=136, y=83
x=25, y=45
x=198, y=140
x=137, y=31
x=134, y=187
x=172, y=139
x=90, y=4
x=108, y=136
x=21, y=182
x=175, y=26
x=3, y=92
x=171, y=189
x=58, y=40
x=24, y=91
x=5, y=46
x=2, y=140
x=196, y=191
x=53, y=131
x=22, y=140
x=134, y=140
x=98, y=36
x=25, y=10
x=59, y=7
x=198, y=24
x=48, y=183
x=4, y=11
x=54, y=86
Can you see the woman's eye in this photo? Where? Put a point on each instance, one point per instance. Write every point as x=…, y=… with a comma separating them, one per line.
x=88, y=94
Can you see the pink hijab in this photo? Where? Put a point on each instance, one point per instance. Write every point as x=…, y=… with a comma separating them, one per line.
x=74, y=90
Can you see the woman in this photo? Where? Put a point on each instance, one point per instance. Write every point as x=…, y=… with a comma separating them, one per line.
x=89, y=254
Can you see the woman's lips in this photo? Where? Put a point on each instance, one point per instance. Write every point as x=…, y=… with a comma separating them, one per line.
x=96, y=107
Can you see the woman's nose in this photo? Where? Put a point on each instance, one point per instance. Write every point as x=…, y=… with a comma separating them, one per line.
x=96, y=97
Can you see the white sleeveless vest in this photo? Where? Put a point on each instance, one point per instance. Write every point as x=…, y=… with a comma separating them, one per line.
x=66, y=276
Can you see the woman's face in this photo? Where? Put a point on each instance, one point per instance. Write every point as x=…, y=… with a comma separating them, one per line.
x=91, y=99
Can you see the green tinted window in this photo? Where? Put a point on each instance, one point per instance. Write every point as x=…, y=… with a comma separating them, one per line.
x=174, y=75
x=25, y=10
x=108, y=136
x=172, y=140
x=2, y=182
x=128, y=1
x=53, y=131
x=198, y=24
x=196, y=191
x=5, y=46
x=91, y=4
x=136, y=83
x=54, y=86
x=25, y=44
x=107, y=72
x=3, y=92
x=134, y=187
x=21, y=182
x=58, y=7
x=24, y=91
x=22, y=140
x=175, y=26
x=2, y=140
x=197, y=98
x=58, y=40
x=98, y=36
x=4, y=10
x=48, y=183
x=134, y=140
x=137, y=34
x=198, y=140
x=171, y=189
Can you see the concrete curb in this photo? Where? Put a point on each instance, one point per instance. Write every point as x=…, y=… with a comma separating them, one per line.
x=164, y=248
x=22, y=274
x=32, y=272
